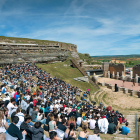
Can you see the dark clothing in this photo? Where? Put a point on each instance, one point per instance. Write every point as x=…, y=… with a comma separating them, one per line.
x=14, y=131
x=37, y=134
x=34, y=115
x=111, y=128
x=25, y=126
x=116, y=121
x=18, y=100
x=62, y=127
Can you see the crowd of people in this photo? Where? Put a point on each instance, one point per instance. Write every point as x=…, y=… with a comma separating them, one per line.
x=36, y=106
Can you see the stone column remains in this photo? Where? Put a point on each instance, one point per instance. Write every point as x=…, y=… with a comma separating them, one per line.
x=136, y=78
x=122, y=75
x=131, y=75
x=117, y=75
x=113, y=75
x=108, y=74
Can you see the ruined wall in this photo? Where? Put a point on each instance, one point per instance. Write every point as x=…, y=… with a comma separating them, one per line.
x=112, y=67
x=136, y=70
x=13, y=53
x=117, y=68
x=70, y=47
x=105, y=67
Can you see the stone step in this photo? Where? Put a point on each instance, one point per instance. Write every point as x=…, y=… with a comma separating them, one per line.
x=120, y=138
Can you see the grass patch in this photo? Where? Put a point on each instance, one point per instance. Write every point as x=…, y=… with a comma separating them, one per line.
x=64, y=71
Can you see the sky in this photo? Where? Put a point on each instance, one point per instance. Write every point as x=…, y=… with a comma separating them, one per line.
x=97, y=27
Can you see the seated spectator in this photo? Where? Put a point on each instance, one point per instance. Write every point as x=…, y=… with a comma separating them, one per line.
x=103, y=125
x=34, y=114
x=37, y=131
x=40, y=116
x=20, y=113
x=62, y=126
x=84, y=121
x=72, y=120
x=120, y=119
x=52, y=123
x=70, y=132
x=42, y=107
x=53, y=136
x=25, y=126
x=125, y=130
x=3, y=125
x=96, y=135
x=14, y=131
x=83, y=135
x=111, y=127
x=79, y=121
x=92, y=123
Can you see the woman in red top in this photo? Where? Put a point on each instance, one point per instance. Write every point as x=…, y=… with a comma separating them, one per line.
x=120, y=119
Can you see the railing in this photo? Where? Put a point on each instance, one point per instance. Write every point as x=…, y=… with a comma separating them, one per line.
x=84, y=73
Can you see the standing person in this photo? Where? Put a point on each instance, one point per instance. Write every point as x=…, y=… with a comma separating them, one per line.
x=133, y=82
x=96, y=135
x=3, y=126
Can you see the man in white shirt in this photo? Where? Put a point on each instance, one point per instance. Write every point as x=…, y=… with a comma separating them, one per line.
x=10, y=106
x=92, y=123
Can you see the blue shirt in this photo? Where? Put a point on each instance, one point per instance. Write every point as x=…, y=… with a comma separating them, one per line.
x=16, y=97
x=125, y=130
x=3, y=90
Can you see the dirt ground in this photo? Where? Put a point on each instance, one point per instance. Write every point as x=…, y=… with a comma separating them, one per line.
x=121, y=100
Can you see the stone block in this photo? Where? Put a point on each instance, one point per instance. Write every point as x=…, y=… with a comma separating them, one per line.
x=138, y=93
x=125, y=90
x=120, y=88
x=131, y=93
x=102, y=84
x=112, y=87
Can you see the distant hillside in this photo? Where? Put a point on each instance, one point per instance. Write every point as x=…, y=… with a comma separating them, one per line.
x=130, y=56
x=27, y=40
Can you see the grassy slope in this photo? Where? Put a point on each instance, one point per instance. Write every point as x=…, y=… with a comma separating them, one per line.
x=66, y=73
x=27, y=40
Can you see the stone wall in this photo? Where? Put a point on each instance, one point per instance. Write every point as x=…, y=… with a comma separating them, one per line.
x=113, y=68
x=105, y=67
x=136, y=70
x=14, y=53
x=117, y=68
